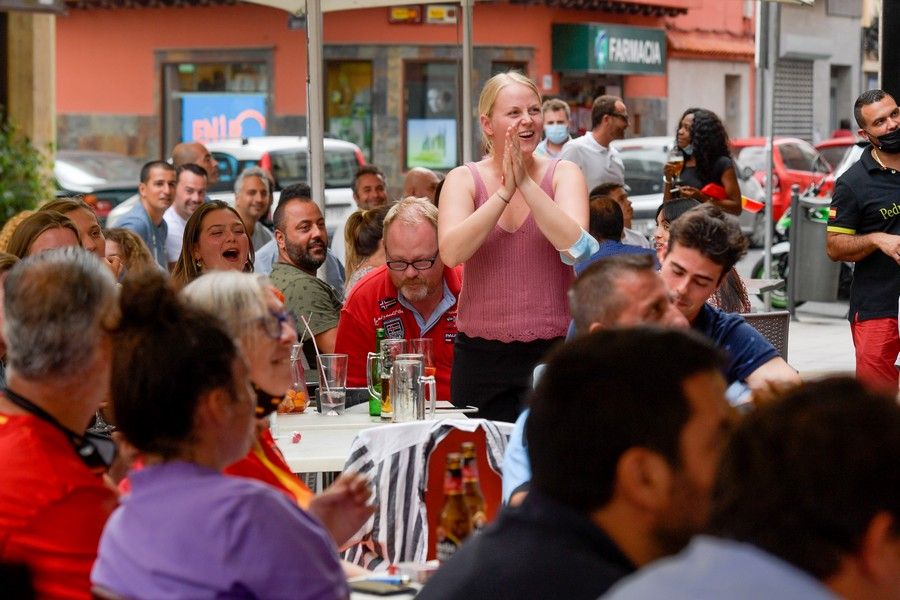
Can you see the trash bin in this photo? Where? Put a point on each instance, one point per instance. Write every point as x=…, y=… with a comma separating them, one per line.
x=815, y=276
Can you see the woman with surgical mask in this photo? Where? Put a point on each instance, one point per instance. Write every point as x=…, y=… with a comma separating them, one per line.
x=556, y=128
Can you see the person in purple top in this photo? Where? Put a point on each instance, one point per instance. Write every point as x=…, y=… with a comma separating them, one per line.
x=183, y=400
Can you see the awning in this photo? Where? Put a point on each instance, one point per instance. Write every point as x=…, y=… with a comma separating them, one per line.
x=710, y=45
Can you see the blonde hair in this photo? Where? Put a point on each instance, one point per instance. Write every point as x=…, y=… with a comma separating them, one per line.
x=363, y=231
x=489, y=94
x=10, y=226
x=135, y=254
x=412, y=210
x=238, y=299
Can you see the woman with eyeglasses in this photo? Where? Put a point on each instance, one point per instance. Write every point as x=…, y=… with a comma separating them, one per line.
x=215, y=239
x=183, y=399
x=517, y=222
x=253, y=314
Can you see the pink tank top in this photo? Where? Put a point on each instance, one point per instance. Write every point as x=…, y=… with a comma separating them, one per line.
x=514, y=286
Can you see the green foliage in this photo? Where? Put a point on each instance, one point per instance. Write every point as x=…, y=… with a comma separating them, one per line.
x=24, y=172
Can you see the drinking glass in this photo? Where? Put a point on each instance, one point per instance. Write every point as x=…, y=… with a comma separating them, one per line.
x=675, y=159
x=332, y=383
x=383, y=361
x=410, y=389
x=425, y=347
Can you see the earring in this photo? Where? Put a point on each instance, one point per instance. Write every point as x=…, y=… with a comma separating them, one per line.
x=198, y=264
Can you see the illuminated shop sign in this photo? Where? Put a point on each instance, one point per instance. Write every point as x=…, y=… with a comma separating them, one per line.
x=597, y=48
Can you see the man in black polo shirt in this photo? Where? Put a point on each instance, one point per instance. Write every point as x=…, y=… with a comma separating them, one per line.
x=864, y=227
x=622, y=469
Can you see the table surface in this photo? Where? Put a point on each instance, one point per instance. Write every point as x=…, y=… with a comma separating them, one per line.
x=324, y=443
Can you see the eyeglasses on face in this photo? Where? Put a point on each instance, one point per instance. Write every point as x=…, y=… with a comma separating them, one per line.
x=273, y=323
x=419, y=265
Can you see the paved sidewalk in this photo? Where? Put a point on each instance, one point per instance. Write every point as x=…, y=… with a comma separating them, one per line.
x=819, y=342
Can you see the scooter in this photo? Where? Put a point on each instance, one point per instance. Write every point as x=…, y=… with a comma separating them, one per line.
x=781, y=250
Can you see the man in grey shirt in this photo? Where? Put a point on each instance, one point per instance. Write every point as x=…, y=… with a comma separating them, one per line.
x=599, y=163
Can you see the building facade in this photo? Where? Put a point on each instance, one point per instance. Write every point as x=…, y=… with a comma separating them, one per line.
x=141, y=78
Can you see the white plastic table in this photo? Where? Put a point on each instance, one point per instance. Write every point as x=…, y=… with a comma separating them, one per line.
x=324, y=443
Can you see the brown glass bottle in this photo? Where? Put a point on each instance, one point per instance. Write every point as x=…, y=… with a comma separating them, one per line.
x=472, y=495
x=455, y=524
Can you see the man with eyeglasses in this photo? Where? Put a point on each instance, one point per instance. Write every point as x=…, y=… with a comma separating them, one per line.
x=591, y=152
x=413, y=296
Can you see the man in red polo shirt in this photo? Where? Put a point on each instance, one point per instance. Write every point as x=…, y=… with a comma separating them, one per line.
x=59, y=306
x=412, y=296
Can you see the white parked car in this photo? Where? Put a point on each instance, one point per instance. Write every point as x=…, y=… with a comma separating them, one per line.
x=644, y=159
x=286, y=158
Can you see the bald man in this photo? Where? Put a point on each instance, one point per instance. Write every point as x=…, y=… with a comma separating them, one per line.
x=198, y=154
x=420, y=183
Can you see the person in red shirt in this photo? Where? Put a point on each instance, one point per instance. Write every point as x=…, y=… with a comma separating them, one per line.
x=414, y=295
x=59, y=308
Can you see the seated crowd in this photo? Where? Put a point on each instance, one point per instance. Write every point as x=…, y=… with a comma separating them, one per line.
x=663, y=448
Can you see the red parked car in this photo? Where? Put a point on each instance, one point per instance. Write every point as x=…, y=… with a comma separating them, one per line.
x=794, y=161
x=834, y=149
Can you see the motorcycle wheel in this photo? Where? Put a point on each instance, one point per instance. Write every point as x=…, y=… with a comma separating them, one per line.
x=779, y=271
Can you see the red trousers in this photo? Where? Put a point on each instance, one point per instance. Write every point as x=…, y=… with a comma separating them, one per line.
x=877, y=345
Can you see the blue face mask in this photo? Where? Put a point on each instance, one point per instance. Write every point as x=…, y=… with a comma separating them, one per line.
x=688, y=150
x=557, y=133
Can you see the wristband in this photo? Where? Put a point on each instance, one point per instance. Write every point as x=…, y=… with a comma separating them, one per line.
x=499, y=195
x=583, y=248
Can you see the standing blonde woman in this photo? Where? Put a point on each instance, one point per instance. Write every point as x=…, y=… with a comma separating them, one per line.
x=517, y=222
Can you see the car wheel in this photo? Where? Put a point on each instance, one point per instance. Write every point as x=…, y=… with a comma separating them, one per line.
x=779, y=271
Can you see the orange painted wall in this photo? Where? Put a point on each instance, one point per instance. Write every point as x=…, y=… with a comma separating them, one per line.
x=105, y=58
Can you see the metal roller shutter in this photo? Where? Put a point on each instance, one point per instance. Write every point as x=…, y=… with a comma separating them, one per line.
x=794, y=98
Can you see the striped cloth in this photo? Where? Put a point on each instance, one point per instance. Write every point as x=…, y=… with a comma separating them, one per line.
x=395, y=457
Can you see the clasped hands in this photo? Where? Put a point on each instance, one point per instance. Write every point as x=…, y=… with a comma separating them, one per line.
x=514, y=172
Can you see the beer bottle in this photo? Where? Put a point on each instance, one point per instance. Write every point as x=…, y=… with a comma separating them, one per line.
x=375, y=401
x=455, y=524
x=472, y=495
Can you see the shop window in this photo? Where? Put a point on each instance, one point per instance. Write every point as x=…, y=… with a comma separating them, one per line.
x=348, y=102
x=432, y=114
x=210, y=95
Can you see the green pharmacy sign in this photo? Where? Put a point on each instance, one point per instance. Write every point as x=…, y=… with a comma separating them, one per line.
x=597, y=48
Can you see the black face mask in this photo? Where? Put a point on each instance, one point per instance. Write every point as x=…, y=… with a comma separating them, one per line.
x=889, y=142
x=266, y=403
x=97, y=451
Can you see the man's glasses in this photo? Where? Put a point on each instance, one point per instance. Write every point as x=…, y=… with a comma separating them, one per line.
x=273, y=323
x=624, y=117
x=418, y=265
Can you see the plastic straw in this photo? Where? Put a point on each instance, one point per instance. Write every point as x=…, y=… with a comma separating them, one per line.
x=316, y=348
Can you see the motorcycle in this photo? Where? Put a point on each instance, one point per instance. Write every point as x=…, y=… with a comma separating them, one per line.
x=780, y=253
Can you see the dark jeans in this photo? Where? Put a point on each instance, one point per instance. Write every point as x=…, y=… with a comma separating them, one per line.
x=494, y=376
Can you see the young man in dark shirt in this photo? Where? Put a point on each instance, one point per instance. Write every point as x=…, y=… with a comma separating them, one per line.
x=598, y=510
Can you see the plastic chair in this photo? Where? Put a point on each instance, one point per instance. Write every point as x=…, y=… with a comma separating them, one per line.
x=774, y=326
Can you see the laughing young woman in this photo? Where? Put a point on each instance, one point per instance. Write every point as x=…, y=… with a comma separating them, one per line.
x=215, y=239
x=517, y=222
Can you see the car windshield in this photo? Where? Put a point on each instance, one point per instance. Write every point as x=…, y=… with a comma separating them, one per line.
x=643, y=170
x=754, y=157
x=291, y=167
x=851, y=157
x=109, y=167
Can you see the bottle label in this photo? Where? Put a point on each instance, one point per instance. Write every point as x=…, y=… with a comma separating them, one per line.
x=470, y=470
x=447, y=545
x=452, y=483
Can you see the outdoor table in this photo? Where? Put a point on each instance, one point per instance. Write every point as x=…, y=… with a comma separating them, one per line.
x=324, y=443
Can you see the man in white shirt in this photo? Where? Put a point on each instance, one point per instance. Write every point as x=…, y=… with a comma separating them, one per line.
x=190, y=193
x=252, y=194
x=599, y=163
